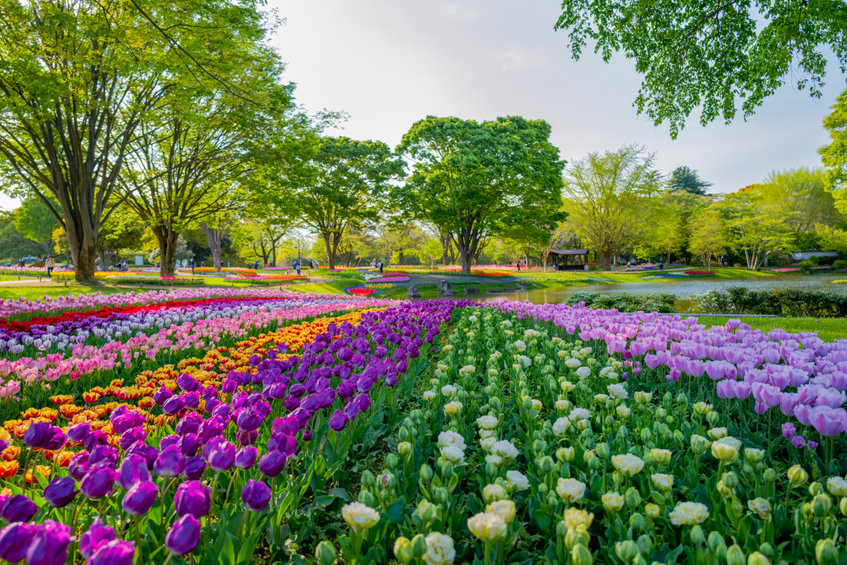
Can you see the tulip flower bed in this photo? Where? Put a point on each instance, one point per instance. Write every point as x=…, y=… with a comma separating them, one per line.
x=277, y=427
x=528, y=446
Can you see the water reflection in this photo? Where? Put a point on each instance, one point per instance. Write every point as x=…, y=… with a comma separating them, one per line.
x=682, y=289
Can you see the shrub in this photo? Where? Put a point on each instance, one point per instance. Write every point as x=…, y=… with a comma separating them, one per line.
x=806, y=265
x=790, y=302
x=840, y=264
x=626, y=302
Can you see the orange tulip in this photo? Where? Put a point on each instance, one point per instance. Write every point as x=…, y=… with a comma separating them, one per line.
x=8, y=469
x=10, y=453
x=42, y=470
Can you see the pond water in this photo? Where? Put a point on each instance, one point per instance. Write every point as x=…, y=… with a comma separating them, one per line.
x=683, y=289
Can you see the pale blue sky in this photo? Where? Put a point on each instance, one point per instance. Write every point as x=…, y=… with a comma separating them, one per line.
x=388, y=63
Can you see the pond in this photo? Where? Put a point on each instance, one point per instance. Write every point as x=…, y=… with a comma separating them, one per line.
x=683, y=289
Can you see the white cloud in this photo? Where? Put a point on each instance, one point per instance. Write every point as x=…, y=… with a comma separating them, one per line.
x=519, y=59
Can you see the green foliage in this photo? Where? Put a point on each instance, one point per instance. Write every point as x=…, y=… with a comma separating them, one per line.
x=754, y=230
x=607, y=196
x=474, y=179
x=714, y=56
x=839, y=264
x=790, y=302
x=34, y=221
x=687, y=180
x=334, y=184
x=626, y=302
x=13, y=245
x=708, y=237
x=834, y=155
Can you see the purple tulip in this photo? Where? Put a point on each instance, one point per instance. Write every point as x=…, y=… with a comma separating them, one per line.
x=828, y=421
x=192, y=498
x=15, y=540
x=195, y=468
x=79, y=465
x=188, y=424
x=133, y=470
x=98, y=481
x=187, y=383
x=189, y=444
x=246, y=457
x=272, y=463
x=39, y=434
x=184, y=535
x=338, y=420
x=173, y=405
x=105, y=455
x=95, y=537
x=49, y=545
x=162, y=395
x=18, y=508
x=222, y=456
x=60, y=492
x=131, y=436
x=115, y=552
x=170, y=462
x=255, y=495
x=140, y=498
x=229, y=386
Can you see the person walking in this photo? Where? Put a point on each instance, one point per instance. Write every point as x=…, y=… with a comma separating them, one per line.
x=256, y=265
x=193, y=264
x=380, y=267
x=50, y=264
x=297, y=266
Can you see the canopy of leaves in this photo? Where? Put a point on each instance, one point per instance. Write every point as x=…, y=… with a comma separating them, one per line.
x=34, y=221
x=473, y=179
x=834, y=155
x=687, y=180
x=714, y=54
x=607, y=196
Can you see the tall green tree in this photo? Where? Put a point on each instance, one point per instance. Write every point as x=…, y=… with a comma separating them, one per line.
x=607, y=197
x=475, y=179
x=753, y=230
x=713, y=55
x=708, y=237
x=76, y=79
x=333, y=185
x=687, y=180
x=834, y=155
x=34, y=221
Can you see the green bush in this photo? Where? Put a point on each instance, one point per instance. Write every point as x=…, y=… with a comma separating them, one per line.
x=840, y=264
x=806, y=265
x=790, y=302
x=626, y=302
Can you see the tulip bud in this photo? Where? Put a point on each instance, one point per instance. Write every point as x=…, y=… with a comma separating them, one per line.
x=767, y=550
x=652, y=511
x=825, y=552
x=661, y=413
x=427, y=510
x=713, y=418
x=815, y=488
x=576, y=537
x=404, y=448
x=539, y=446
x=552, y=498
x=632, y=498
x=715, y=540
x=769, y=475
x=735, y=555
x=646, y=435
x=418, y=546
x=404, y=434
x=441, y=494
x=697, y=535
x=325, y=553
x=645, y=544
x=547, y=464
x=368, y=479
x=392, y=461
x=426, y=473
x=822, y=504
x=566, y=454
x=626, y=550
x=603, y=451
x=403, y=549
x=797, y=475
x=580, y=555
x=757, y=558
x=495, y=403
x=730, y=480
x=636, y=521
x=446, y=469
x=843, y=505
x=490, y=469
x=366, y=498
x=678, y=437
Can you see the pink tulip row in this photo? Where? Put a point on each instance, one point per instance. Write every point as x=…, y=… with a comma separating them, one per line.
x=200, y=335
x=11, y=307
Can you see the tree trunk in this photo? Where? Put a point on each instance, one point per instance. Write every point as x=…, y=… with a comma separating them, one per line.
x=606, y=261
x=213, y=237
x=83, y=247
x=329, y=252
x=166, y=239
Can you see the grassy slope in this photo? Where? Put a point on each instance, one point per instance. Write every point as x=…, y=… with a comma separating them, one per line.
x=32, y=292
x=826, y=328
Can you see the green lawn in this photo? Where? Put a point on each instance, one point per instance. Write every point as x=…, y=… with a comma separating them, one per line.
x=34, y=291
x=827, y=328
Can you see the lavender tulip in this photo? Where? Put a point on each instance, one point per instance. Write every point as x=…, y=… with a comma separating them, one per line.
x=94, y=537
x=255, y=495
x=15, y=540
x=115, y=552
x=192, y=498
x=98, y=481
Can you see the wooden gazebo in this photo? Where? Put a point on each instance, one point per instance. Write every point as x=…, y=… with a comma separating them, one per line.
x=569, y=259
